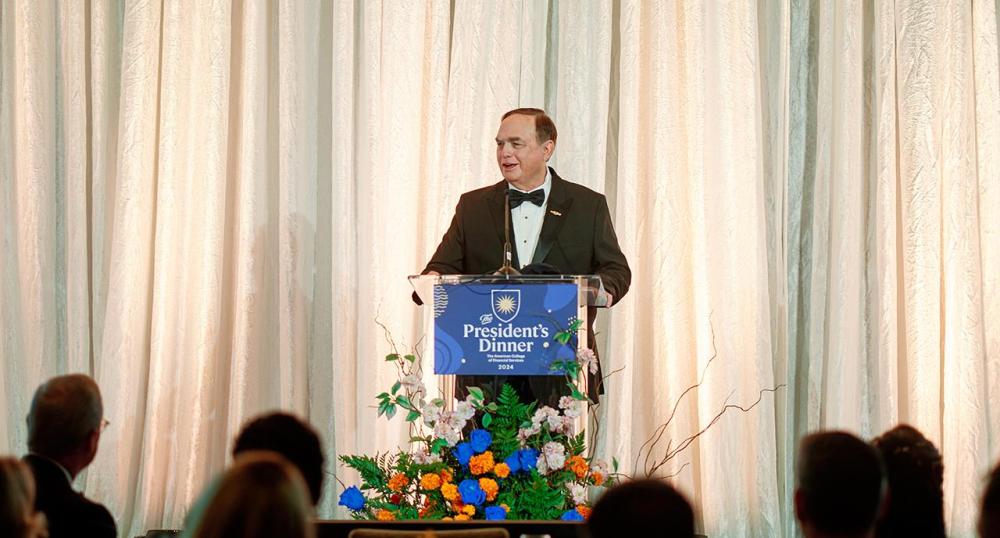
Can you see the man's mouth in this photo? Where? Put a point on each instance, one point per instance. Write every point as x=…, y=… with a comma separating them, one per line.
x=509, y=166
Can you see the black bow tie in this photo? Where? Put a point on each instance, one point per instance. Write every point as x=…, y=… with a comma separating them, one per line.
x=517, y=197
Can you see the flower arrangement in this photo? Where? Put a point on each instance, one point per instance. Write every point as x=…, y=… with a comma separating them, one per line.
x=502, y=459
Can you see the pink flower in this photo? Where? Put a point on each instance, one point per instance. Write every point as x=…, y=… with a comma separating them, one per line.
x=587, y=359
x=554, y=455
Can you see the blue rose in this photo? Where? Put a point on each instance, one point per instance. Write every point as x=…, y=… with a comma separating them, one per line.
x=572, y=515
x=481, y=440
x=528, y=459
x=513, y=462
x=352, y=499
x=463, y=451
x=495, y=513
x=471, y=492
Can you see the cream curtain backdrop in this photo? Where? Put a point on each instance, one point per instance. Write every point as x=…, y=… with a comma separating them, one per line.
x=207, y=205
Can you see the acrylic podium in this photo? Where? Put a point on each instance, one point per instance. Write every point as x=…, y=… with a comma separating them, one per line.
x=504, y=325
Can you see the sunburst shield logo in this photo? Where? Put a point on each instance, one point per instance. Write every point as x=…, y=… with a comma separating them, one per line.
x=506, y=304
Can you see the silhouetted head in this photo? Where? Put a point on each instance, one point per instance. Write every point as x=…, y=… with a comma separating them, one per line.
x=291, y=437
x=915, y=472
x=636, y=507
x=840, y=485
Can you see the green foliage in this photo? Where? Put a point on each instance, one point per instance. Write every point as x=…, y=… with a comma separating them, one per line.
x=372, y=474
x=510, y=415
x=539, y=500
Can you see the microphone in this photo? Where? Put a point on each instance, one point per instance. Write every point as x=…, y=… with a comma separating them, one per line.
x=506, y=269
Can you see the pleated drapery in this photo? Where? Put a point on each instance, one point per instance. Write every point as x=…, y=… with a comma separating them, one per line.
x=212, y=207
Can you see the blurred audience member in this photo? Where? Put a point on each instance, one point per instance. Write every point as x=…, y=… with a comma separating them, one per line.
x=989, y=516
x=18, y=518
x=261, y=495
x=915, y=502
x=642, y=508
x=291, y=437
x=840, y=486
x=64, y=427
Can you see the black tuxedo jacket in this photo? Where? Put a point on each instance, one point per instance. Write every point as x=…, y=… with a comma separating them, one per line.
x=577, y=237
x=69, y=513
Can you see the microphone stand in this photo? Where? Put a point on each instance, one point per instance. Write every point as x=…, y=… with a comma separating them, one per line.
x=506, y=270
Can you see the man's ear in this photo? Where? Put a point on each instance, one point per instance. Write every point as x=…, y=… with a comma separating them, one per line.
x=92, y=440
x=549, y=147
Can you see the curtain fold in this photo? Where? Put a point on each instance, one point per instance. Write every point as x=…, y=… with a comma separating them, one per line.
x=212, y=207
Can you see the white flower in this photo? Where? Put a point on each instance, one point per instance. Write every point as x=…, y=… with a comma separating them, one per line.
x=432, y=414
x=574, y=410
x=445, y=431
x=414, y=385
x=600, y=466
x=565, y=402
x=542, y=415
x=542, y=467
x=578, y=491
x=587, y=358
x=556, y=423
x=555, y=455
x=524, y=433
x=423, y=457
x=465, y=410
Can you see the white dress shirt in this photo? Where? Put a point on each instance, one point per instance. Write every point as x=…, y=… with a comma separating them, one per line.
x=527, y=221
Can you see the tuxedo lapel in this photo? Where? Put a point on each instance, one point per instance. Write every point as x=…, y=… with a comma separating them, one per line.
x=555, y=215
x=496, y=205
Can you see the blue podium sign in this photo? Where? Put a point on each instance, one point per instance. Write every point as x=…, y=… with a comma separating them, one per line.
x=501, y=328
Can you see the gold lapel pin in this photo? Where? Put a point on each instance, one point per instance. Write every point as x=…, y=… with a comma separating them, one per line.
x=556, y=213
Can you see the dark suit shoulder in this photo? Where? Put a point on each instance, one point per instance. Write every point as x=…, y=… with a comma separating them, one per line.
x=482, y=193
x=68, y=512
x=577, y=191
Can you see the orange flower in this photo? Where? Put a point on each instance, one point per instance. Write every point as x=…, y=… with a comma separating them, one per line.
x=481, y=464
x=462, y=517
x=430, y=481
x=502, y=470
x=578, y=465
x=385, y=515
x=447, y=518
x=450, y=491
x=584, y=510
x=490, y=487
x=446, y=475
x=398, y=482
x=598, y=478
x=505, y=507
x=469, y=509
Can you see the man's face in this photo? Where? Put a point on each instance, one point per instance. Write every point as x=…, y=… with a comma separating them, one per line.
x=521, y=158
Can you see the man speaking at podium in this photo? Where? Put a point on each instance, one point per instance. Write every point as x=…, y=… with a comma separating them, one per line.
x=555, y=226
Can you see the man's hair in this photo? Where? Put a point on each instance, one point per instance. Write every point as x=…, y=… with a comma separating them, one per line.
x=841, y=480
x=989, y=515
x=545, y=128
x=291, y=437
x=261, y=495
x=916, y=474
x=639, y=507
x=65, y=411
